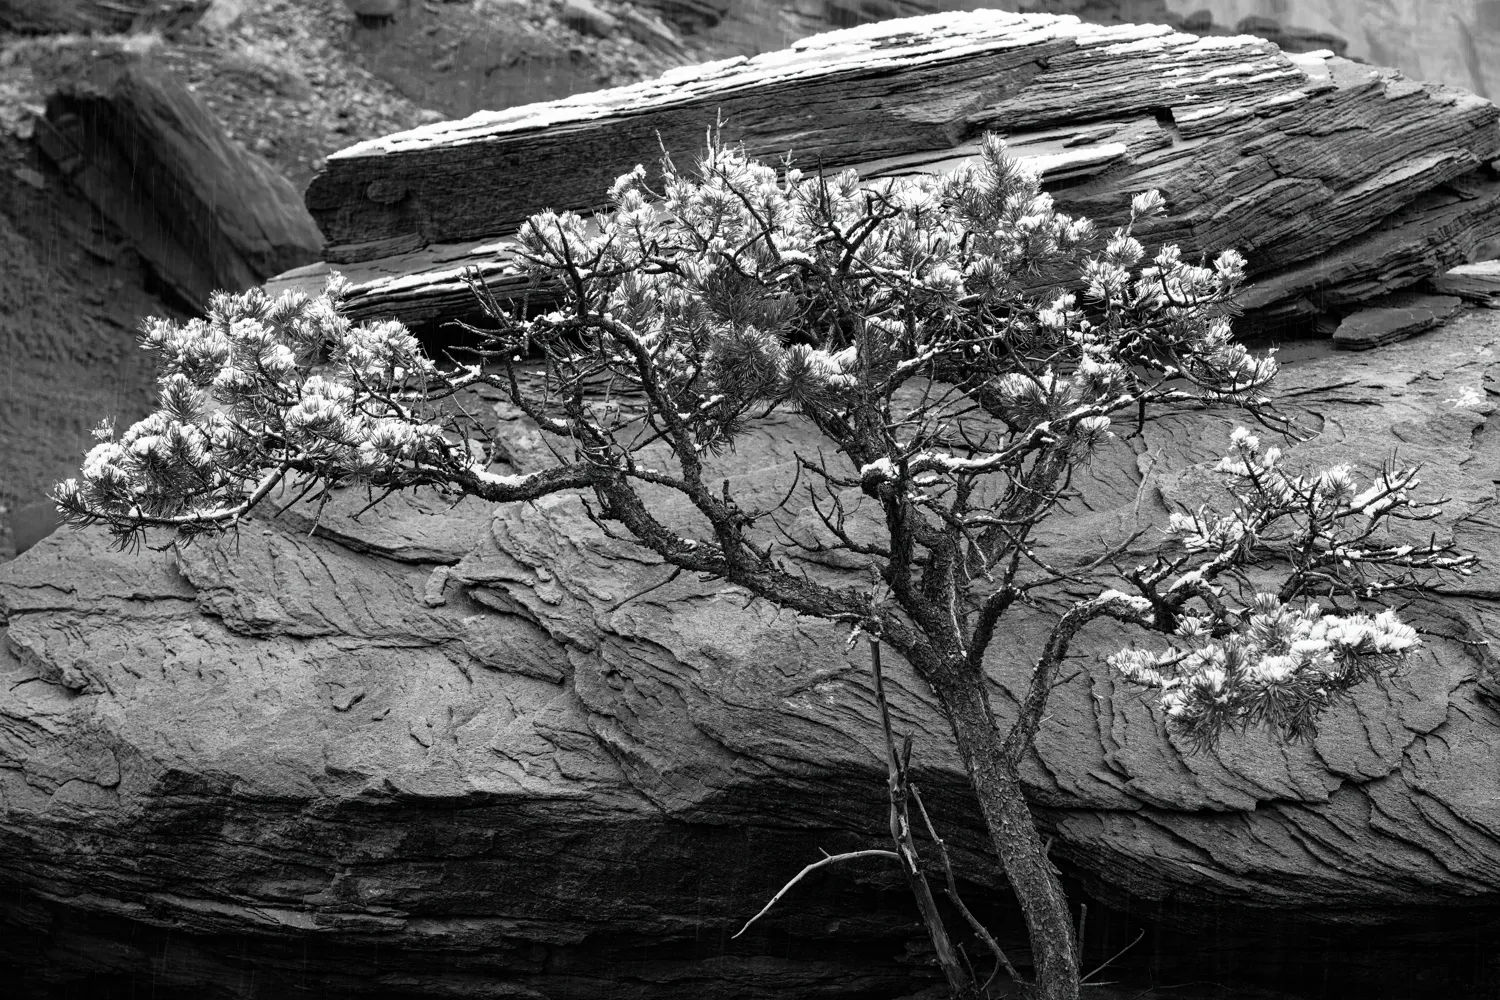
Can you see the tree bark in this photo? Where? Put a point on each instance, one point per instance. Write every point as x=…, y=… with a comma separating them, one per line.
x=1012, y=831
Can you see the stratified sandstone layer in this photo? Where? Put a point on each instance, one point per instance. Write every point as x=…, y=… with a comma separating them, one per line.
x=1247, y=143
x=493, y=752
x=1395, y=317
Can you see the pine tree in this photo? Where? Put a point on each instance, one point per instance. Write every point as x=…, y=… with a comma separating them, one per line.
x=960, y=348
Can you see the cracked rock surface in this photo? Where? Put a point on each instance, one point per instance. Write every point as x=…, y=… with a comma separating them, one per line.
x=491, y=752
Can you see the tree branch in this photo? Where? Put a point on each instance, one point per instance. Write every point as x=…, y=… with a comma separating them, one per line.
x=827, y=860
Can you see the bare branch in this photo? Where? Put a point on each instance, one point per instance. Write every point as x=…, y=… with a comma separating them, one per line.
x=982, y=932
x=827, y=860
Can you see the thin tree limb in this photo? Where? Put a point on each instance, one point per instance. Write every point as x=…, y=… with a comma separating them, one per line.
x=828, y=860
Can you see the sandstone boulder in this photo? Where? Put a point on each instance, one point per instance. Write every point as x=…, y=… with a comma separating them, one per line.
x=42, y=17
x=1246, y=142
x=205, y=213
x=495, y=753
x=1478, y=282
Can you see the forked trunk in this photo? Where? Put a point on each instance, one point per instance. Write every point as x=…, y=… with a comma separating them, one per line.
x=1014, y=834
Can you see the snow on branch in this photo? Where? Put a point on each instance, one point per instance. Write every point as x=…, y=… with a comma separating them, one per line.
x=1280, y=661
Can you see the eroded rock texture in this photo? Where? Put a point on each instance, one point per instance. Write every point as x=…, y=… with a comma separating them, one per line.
x=495, y=753
x=1246, y=142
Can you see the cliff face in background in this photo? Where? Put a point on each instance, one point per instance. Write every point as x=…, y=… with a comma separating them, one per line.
x=1456, y=42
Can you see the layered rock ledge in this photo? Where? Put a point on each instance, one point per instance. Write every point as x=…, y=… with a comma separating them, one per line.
x=1247, y=143
x=492, y=752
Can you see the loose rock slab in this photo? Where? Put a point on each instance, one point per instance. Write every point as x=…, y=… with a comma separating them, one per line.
x=1246, y=142
x=1394, y=318
x=1478, y=282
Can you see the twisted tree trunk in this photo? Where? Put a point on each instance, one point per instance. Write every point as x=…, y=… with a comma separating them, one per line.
x=1012, y=830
